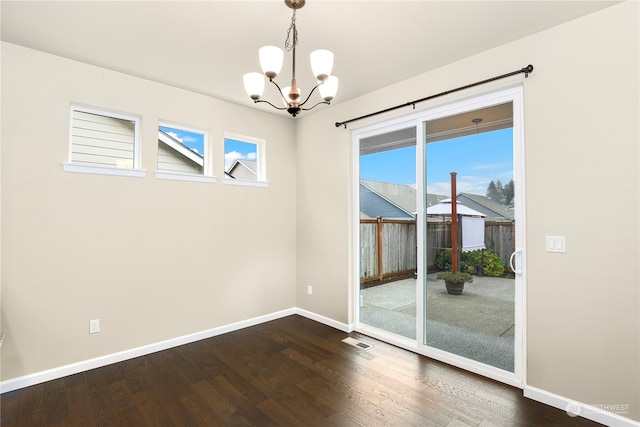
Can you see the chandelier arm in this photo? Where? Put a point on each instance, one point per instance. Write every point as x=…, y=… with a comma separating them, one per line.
x=262, y=100
x=309, y=96
x=281, y=95
x=311, y=108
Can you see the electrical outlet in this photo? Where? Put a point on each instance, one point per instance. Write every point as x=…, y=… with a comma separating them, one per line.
x=310, y=290
x=94, y=326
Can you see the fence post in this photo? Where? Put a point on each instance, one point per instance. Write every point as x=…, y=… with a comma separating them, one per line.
x=454, y=224
x=380, y=258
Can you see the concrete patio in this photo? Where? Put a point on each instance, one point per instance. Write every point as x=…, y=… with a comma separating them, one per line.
x=479, y=324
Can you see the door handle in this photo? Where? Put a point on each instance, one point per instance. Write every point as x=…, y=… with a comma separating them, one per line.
x=511, y=262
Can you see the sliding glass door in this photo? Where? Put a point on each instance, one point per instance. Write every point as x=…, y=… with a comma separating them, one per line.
x=466, y=217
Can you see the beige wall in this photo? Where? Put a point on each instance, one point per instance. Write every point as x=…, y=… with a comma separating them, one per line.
x=77, y=247
x=152, y=259
x=582, y=160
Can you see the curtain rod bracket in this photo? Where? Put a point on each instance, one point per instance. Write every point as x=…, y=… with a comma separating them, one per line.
x=526, y=70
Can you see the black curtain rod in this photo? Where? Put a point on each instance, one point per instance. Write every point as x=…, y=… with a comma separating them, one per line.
x=526, y=70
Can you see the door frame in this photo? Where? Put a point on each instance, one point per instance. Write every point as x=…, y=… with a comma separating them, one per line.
x=513, y=94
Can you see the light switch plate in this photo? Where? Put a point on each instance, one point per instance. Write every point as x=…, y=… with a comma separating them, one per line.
x=556, y=244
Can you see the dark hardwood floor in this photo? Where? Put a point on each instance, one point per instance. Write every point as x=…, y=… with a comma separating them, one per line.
x=288, y=372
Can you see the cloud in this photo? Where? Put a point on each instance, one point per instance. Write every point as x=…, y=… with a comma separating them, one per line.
x=232, y=156
x=492, y=166
x=175, y=136
x=464, y=184
x=191, y=139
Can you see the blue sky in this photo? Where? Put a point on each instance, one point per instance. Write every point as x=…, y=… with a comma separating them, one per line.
x=477, y=159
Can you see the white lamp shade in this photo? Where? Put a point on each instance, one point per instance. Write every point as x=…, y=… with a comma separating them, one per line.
x=271, y=58
x=329, y=88
x=254, y=84
x=285, y=93
x=321, y=63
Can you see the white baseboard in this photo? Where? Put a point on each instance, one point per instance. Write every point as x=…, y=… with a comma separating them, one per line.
x=74, y=368
x=322, y=319
x=604, y=414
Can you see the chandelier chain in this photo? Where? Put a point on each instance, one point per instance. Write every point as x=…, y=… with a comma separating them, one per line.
x=289, y=44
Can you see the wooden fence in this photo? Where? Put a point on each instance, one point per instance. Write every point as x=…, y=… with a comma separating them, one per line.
x=501, y=238
x=388, y=248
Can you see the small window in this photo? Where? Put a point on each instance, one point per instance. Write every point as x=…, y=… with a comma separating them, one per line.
x=244, y=161
x=103, y=142
x=182, y=153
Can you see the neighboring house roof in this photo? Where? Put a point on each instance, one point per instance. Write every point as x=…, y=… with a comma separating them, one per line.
x=243, y=169
x=403, y=196
x=400, y=196
x=374, y=205
x=494, y=211
x=434, y=199
x=180, y=148
x=398, y=201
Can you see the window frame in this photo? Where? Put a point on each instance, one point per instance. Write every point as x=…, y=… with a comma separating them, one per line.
x=261, y=164
x=207, y=173
x=134, y=171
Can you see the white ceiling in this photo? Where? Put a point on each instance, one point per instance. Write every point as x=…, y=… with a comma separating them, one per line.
x=206, y=46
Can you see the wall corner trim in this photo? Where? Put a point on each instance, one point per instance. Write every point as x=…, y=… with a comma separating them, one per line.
x=583, y=410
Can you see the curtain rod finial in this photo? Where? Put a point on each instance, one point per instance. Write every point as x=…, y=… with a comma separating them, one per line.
x=528, y=69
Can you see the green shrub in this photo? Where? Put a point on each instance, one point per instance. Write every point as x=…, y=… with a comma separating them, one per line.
x=469, y=262
x=443, y=260
x=493, y=264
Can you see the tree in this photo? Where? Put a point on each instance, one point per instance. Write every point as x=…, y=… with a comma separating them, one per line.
x=500, y=191
x=508, y=192
x=492, y=192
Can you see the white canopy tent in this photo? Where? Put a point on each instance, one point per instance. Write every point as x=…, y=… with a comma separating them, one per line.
x=472, y=223
x=444, y=208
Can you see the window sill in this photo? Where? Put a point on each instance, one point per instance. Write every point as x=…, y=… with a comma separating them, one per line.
x=185, y=177
x=245, y=183
x=102, y=170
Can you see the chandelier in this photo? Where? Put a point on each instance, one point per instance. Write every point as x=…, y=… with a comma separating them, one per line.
x=271, y=58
